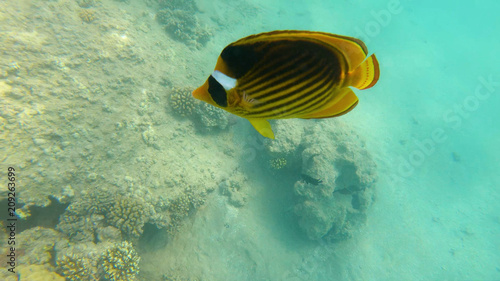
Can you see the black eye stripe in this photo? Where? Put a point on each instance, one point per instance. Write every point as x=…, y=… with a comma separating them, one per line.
x=217, y=92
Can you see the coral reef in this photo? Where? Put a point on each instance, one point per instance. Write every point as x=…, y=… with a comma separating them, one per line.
x=79, y=227
x=129, y=215
x=75, y=268
x=176, y=277
x=84, y=215
x=39, y=273
x=206, y=116
x=120, y=262
x=211, y=117
x=182, y=102
x=37, y=245
x=335, y=187
x=85, y=3
x=317, y=217
x=277, y=163
x=150, y=138
x=235, y=191
x=187, y=5
x=85, y=218
x=180, y=207
x=334, y=182
x=87, y=16
x=184, y=26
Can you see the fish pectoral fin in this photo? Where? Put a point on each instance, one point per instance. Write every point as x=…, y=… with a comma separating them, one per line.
x=344, y=101
x=263, y=127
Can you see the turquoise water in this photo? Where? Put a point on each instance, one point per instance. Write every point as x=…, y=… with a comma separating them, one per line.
x=115, y=161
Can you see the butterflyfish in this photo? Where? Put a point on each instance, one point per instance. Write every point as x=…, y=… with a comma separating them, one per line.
x=289, y=74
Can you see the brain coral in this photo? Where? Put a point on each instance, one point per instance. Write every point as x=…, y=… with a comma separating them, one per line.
x=120, y=262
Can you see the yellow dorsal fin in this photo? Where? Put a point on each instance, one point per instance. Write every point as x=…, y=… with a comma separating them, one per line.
x=344, y=101
x=353, y=49
x=263, y=127
x=365, y=75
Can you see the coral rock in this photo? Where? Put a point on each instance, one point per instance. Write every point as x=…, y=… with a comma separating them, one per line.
x=39, y=273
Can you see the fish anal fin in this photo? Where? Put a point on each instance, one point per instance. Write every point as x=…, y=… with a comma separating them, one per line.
x=366, y=74
x=263, y=127
x=344, y=102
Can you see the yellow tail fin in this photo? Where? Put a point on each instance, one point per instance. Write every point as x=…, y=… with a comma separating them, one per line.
x=366, y=74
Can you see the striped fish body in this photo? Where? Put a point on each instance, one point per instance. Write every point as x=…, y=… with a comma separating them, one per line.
x=289, y=74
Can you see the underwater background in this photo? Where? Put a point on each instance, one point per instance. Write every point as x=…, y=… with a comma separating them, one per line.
x=122, y=175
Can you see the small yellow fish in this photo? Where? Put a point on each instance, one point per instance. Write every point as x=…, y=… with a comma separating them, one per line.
x=289, y=74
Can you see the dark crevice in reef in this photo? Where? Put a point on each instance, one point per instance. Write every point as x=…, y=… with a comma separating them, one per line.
x=47, y=217
x=153, y=238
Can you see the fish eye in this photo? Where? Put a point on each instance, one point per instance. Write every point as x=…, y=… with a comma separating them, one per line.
x=217, y=92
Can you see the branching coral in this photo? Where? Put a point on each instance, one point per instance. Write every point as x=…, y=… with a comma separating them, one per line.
x=277, y=163
x=184, y=26
x=120, y=262
x=211, y=117
x=182, y=102
x=87, y=16
x=75, y=268
x=180, y=207
x=129, y=215
x=82, y=218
